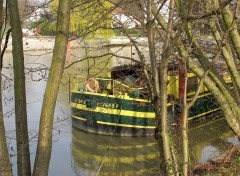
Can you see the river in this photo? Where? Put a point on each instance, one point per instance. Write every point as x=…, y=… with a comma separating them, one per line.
x=76, y=153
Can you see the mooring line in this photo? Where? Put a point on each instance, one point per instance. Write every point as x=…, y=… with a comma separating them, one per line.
x=108, y=147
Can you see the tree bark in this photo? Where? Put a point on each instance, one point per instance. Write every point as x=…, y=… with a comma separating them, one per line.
x=155, y=84
x=160, y=91
x=6, y=168
x=44, y=147
x=23, y=154
x=166, y=132
x=231, y=24
x=228, y=57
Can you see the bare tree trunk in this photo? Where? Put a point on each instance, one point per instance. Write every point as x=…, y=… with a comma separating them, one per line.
x=44, y=147
x=231, y=24
x=214, y=82
x=218, y=87
x=168, y=146
x=23, y=154
x=228, y=57
x=160, y=92
x=155, y=84
x=186, y=107
x=6, y=168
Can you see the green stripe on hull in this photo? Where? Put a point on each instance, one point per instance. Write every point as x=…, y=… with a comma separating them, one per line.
x=129, y=112
x=203, y=105
x=113, y=102
x=113, y=119
x=114, y=111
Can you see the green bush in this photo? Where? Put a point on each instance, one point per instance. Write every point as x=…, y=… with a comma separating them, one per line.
x=46, y=27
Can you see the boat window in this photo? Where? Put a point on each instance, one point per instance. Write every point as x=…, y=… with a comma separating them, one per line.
x=192, y=84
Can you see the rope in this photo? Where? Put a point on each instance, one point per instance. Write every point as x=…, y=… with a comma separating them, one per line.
x=108, y=147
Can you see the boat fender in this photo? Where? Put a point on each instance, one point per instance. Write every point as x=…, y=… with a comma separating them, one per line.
x=88, y=103
x=95, y=89
x=134, y=94
x=91, y=103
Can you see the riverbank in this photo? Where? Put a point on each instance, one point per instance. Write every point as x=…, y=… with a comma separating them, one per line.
x=225, y=164
x=33, y=43
x=40, y=43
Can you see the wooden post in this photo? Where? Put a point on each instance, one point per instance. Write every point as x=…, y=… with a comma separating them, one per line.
x=181, y=89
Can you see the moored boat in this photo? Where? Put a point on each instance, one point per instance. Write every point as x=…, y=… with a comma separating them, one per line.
x=121, y=105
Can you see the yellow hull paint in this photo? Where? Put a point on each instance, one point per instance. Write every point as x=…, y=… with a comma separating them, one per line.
x=205, y=113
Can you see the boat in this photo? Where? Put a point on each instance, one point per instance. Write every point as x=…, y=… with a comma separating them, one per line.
x=120, y=105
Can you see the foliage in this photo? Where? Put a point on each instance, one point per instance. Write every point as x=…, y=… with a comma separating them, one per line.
x=133, y=32
x=46, y=27
x=90, y=18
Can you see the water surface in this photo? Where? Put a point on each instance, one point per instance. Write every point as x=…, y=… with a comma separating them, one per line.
x=79, y=153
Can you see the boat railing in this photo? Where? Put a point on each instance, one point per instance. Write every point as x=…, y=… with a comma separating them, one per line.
x=77, y=83
x=131, y=90
x=118, y=88
x=111, y=86
x=106, y=86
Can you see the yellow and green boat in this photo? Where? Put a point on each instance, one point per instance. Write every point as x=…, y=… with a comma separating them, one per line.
x=121, y=105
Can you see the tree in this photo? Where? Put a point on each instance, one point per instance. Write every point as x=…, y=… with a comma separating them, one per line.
x=90, y=18
x=214, y=82
x=160, y=95
x=44, y=147
x=6, y=168
x=23, y=154
x=192, y=49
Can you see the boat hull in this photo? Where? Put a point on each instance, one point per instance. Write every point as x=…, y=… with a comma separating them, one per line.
x=125, y=116
x=94, y=127
x=110, y=115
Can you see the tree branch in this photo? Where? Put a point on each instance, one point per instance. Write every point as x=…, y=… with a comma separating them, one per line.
x=217, y=11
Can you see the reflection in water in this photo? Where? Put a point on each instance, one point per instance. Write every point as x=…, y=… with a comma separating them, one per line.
x=118, y=155
x=139, y=156
x=209, y=140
